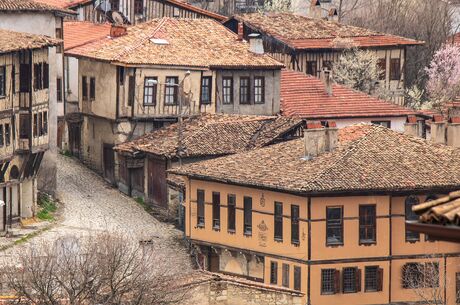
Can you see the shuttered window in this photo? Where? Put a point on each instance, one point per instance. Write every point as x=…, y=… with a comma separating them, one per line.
x=334, y=225
x=38, y=82
x=245, y=90
x=367, y=224
x=312, y=68
x=150, y=91
x=297, y=278
x=278, y=221
x=227, y=90
x=24, y=78
x=351, y=280
x=231, y=212
x=46, y=75
x=216, y=210
x=373, y=279
x=171, y=90
x=200, y=208
x=330, y=281
x=206, y=89
x=294, y=224
x=395, y=69
x=259, y=90
x=247, y=215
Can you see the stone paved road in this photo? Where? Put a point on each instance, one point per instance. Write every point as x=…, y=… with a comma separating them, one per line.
x=90, y=205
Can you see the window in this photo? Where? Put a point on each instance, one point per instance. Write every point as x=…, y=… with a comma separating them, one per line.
x=59, y=36
x=24, y=78
x=410, y=215
x=413, y=275
x=327, y=64
x=39, y=124
x=150, y=91
x=215, y=210
x=227, y=90
x=334, y=225
x=200, y=208
x=245, y=93
x=231, y=212
x=373, y=278
x=35, y=131
x=92, y=88
x=46, y=76
x=45, y=122
x=115, y=5
x=259, y=90
x=351, y=280
x=59, y=89
x=330, y=281
x=138, y=7
x=131, y=89
x=312, y=68
x=386, y=124
x=295, y=224
x=2, y=81
x=24, y=126
x=13, y=80
x=247, y=215
x=273, y=273
x=121, y=76
x=171, y=90
x=206, y=89
x=297, y=278
x=285, y=274
x=278, y=221
x=395, y=69
x=382, y=66
x=7, y=134
x=84, y=88
x=1, y=136
x=38, y=82
x=367, y=224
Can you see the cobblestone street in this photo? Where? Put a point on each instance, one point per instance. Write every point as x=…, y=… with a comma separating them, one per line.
x=90, y=206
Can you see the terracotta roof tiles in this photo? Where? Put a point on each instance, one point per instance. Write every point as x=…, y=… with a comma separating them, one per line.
x=65, y=3
x=11, y=41
x=213, y=135
x=309, y=33
x=32, y=6
x=305, y=96
x=374, y=159
x=179, y=42
x=78, y=33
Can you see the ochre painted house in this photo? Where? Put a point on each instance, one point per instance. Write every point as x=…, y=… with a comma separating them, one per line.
x=328, y=221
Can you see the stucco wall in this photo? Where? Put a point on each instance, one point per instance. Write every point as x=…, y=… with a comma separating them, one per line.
x=397, y=123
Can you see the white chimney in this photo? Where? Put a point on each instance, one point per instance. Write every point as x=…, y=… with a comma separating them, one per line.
x=326, y=78
x=319, y=139
x=256, y=44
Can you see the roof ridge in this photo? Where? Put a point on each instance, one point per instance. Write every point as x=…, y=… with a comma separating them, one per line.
x=141, y=41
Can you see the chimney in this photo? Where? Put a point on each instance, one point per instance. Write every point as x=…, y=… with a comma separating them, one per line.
x=453, y=131
x=240, y=31
x=256, y=44
x=332, y=135
x=326, y=78
x=117, y=30
x=438, y=129
x=411, y=126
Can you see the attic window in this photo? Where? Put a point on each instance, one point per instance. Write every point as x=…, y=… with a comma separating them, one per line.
x=159, y=41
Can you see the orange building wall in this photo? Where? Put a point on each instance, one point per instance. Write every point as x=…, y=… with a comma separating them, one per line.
x=390, y=252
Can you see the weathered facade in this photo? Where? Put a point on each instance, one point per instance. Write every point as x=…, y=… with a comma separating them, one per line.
x=310, y=45
x=130, y=83
x=24, y=121
x=43, y=19
x=328, y=222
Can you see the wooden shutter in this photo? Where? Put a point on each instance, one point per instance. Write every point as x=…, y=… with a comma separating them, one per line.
x=24, y=78
x=337, y=281
x=358, y=279
x=46, y=74
x=380, y=279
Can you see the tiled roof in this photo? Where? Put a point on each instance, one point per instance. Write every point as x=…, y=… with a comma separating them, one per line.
x=444, y=210
x=65, y=3
x=308, y=33
x=11, y=41
x=305, y=96
x=178, y=42
x=77, y=33
x=369, y=158
x=31, y=6
x=213, y=135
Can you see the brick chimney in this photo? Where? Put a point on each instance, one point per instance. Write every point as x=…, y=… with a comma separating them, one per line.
x=411, y=126
x=117, y=30
x=326, y=78
x=319, y=139
x=240, y=31
x=438, y=129
x=256, y=44
x=453, y=131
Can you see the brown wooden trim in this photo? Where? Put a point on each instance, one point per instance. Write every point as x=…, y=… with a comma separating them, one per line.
x=445, y=233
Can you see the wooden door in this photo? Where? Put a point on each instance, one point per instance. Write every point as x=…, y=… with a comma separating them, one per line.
x=137, y=179
x=157, y=182
x=109, y=163
x=75, y=139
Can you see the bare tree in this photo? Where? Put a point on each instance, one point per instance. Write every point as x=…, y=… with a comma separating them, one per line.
x=424, y=280
x=105, y=269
